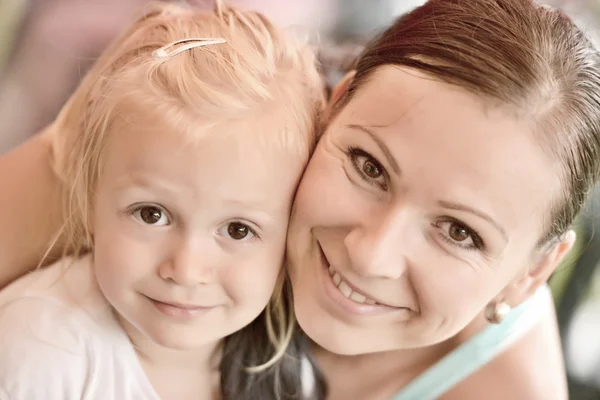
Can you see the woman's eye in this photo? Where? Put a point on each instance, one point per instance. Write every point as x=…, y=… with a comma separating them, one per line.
x=460, y=235
x=151, y=215
x=238, y=231
x=367, y=166
x=371, y=169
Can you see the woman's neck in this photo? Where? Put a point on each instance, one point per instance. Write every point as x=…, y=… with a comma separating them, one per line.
x=381, y=375
x=376, y=375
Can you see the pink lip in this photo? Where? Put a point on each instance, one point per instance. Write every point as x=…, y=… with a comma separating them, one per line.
x=177, y=310
x=349, y=306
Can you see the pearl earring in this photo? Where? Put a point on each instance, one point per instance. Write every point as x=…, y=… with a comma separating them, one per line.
x=495, y=312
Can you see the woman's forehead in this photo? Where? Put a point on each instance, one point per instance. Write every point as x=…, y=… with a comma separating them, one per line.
x=449, y=142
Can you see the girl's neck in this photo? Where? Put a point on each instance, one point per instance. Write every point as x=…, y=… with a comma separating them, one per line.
x=205, y=358
x=178, y=374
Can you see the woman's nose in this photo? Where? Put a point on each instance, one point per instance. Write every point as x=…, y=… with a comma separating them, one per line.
x=377, y=248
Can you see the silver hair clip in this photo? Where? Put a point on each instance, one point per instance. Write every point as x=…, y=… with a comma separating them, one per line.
x=172, y=49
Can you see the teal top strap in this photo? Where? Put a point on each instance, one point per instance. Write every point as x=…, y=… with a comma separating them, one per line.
x=472, y=355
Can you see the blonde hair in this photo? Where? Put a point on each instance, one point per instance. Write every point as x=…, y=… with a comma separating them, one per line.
x=259, y=68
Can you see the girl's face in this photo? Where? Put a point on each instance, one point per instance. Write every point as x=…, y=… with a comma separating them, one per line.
x=419, y=206
x=189, y=239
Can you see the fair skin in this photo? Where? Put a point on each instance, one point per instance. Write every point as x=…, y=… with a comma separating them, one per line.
x=184, y=259
x=36, y=212
x=408, y=202
x=533, y=364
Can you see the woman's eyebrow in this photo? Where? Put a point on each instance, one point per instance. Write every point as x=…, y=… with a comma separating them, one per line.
x=386, y=151
x=480, y=214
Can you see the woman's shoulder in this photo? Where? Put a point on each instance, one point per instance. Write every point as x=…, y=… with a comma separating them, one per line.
x=531, y=367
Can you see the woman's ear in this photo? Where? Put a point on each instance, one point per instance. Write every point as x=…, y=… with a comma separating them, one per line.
x=341, y=88
x=548, y=261
x=541, y=270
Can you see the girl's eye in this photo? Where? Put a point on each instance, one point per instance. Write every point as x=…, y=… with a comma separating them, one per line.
x=151, y=215
x=460, y=235
x=238, y=231
x=367, y=166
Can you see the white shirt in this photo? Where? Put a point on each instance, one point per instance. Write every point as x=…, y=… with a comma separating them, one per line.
x=59, y=340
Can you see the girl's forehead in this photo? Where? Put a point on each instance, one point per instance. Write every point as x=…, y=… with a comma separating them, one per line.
x=274, y=123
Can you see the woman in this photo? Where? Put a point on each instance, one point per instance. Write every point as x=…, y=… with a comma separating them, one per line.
x=443, y=189
x=438, y=201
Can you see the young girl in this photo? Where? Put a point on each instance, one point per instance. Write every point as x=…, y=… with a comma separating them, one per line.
x=189, y=137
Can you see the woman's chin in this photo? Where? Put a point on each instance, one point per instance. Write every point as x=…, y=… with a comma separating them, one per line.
x=334, y=335
x=335, y=343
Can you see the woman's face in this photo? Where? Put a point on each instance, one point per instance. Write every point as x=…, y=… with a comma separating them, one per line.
x=420, y=205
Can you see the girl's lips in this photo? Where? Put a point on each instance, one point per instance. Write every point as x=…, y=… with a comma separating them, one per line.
x=181, y=311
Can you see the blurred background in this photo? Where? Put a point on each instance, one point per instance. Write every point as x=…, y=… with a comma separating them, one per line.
x=47, y=45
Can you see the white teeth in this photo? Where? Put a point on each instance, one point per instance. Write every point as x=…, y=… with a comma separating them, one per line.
x=345, y=289
x=357, y=297
x=337, y=279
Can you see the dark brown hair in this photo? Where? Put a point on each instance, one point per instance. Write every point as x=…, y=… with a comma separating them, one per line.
x=250, y=345
x=516, y=53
